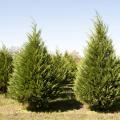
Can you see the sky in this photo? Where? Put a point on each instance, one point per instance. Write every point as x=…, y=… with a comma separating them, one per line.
x=65, y=24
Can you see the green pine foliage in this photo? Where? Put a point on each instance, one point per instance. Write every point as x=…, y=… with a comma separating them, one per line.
x=30, y=79
x=63, y=68
x=98, y=77
x=39, y=77
x=5, y=68
x=57, y=74
x=71, y=68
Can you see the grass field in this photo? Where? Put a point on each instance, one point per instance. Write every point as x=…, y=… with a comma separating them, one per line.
x=61, y=110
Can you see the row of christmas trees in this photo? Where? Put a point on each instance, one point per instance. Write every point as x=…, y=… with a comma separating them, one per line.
x=33, y=76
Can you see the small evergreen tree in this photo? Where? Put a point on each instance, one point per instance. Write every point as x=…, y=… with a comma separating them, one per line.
x=71, y=68
x=98, y=77
x=30, y=78
x=63, y=68
x=5, y=68
x=58, y=75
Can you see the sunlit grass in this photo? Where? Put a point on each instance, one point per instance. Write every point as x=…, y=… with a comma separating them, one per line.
x=4, y=100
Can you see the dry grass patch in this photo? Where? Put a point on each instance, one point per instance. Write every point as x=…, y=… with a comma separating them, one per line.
x=11, y=110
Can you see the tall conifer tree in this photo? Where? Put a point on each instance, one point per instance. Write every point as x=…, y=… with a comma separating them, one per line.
x=30, y=79
x=98, y=77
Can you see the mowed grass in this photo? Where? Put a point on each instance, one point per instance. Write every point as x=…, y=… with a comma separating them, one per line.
x=60, y=110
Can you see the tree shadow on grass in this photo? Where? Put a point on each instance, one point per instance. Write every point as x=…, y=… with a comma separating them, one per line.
x=113, y=109
x=60, y=106
x=64, y=105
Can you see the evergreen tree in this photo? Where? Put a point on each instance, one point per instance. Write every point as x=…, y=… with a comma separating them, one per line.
x=5, y=68
x=63, y=69
x=58, y=75
x=98, y=77
x=71, y=68
x=30, y=78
